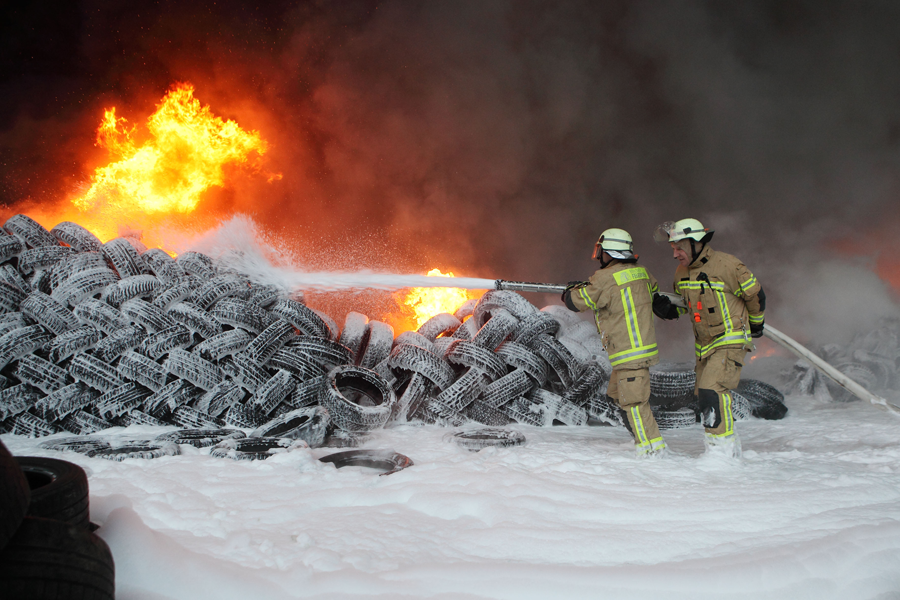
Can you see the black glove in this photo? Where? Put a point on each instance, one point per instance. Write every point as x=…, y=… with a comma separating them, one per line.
x=567, y=293
x=663, y=307
x=756, y=330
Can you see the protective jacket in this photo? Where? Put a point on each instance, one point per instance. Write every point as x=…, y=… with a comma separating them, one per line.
x=621, y=297
x=723, y=299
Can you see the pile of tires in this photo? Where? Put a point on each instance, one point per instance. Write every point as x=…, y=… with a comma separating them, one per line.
x=99, y=335
x=47, y=546
x=871, y=359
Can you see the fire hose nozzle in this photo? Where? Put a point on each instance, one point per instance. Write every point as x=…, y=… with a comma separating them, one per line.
x=525, y=286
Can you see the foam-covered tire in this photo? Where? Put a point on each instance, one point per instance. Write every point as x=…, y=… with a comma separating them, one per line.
x=675, y=381
x=501, y=324
x=201, y=373
x=485, y=414
x=356, y=327
x=15, y=494
x=72, y=342
x=59, y=490
x=29, y=231
x=302, y=317
x=256, y=448
x=417, y=359
x=561, y=361
x=533, y=326
x=439, y=324
x=506, y=389
x=357, y=399
x=517, y=356
x=197, y=264
x=142, y=450
x=766, y=402
x=478, y=439
x=50, y=313
x=79, y=444
x=307, y=424
x=53, y=559
x=98, y=314
x=494, y=300
x=200, y=438
x=376, y=346
x=385, y=461
x=124, y=258
x=467, y=354
x=76, y=236
x=674, y=419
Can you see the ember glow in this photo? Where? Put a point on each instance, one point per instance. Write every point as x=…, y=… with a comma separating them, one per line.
x=420, y=304
x=185, y=154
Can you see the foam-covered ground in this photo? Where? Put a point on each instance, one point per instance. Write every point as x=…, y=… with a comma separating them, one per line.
x=811, y=511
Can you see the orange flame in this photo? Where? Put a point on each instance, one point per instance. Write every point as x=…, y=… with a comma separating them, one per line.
x=184, y=156
x=420, y=304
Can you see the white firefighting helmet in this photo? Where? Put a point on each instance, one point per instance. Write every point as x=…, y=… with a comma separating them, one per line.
x=675, y=231
x=615, y=242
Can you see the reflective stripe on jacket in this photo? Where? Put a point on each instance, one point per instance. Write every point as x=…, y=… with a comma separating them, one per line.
x=722, y=298
x=621, y=297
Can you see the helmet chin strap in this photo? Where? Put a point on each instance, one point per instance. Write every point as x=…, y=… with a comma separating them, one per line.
x=694, y=252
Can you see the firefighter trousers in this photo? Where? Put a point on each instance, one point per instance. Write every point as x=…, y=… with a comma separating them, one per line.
x=718, y=373
x=630, y=388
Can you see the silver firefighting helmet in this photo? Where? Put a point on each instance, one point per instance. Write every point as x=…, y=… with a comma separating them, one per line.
x=615, y=242
x=685, y=229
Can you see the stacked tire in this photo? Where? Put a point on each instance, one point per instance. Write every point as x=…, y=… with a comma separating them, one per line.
x=47, y=548
x=95, y=335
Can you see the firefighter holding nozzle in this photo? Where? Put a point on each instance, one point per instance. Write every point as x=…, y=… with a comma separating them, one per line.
x=726, y=305
x=620, y=294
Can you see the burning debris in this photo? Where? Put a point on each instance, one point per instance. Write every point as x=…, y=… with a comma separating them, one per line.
x=99, y=335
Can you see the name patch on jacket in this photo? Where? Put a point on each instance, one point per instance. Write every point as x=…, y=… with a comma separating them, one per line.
x=628, y=275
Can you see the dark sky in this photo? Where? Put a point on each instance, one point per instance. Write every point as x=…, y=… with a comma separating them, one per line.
x=500, y=138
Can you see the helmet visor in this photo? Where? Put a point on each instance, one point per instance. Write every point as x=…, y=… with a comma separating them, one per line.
x=663, y=231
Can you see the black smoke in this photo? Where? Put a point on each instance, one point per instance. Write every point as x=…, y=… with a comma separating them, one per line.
x=500, y=138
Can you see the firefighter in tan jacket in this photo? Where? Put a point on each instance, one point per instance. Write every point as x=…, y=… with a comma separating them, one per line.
x=620, y=294
x=726, y=305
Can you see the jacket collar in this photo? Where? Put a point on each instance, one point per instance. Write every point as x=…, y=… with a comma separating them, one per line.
x=703, y=257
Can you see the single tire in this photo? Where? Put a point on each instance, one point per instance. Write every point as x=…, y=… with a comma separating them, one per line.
x=308, y=321
x=324, y=352
x=173, y=294
x=19, y=342
x=221, y=398
x=122, y=399
x=507, y=388
x=356, y=328
x=533, y=326
x=495, y=331
x=124, y=258
x=270, y=394
x=525, y=412
x=197, y=264
x=557, y=409
x=219, y=287
x=53, y=315
x=52, y=559
x=100, y=315
x=45, y=258
x=257, y=448
x=245, y=416
x=306, y=393
x=77, y=263
x=672, y=380
x=307, y=424
x=223, y=344
x=201, y=373
x=675, y=419
x=466, y=309
x=11, y=297
x=241, y=313
x=416, y=359
x=265, y=295
x=766, y=401
x=562, y=363
x=80, y=422
x=10, y=275
x=200, y=438
x=84, y=284
x=125, y=338
x=463, y=392
x=144, y=450
x=158, y=344
x=10, y=246
x=385, y=461
x=29, y=231
x=76, y=236
x=28, y=425
x=245, y=371
x=483, y=413
x=70, y=398
x=486, y=437
x=79, y=444
x=163, y=266
x=15, y=494
x=414, y=338
x=191, y=418
x=59, y=490
x=494, y=300
x=298, y=363
x=94, y=372
x=175, y=394
x=467, y=354
x=273, y=337
x=592, y=377
x=439, y=325
x=127, y=288
x=142, y=369
x=195, y=319
x=517, y=356
x=151, y=317
x=357, y=399
x=741, y=408
x=377, y=346
x=72, y=342
x=40, y=373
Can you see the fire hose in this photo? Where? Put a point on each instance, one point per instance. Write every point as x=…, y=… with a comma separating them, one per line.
x=770, y=332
